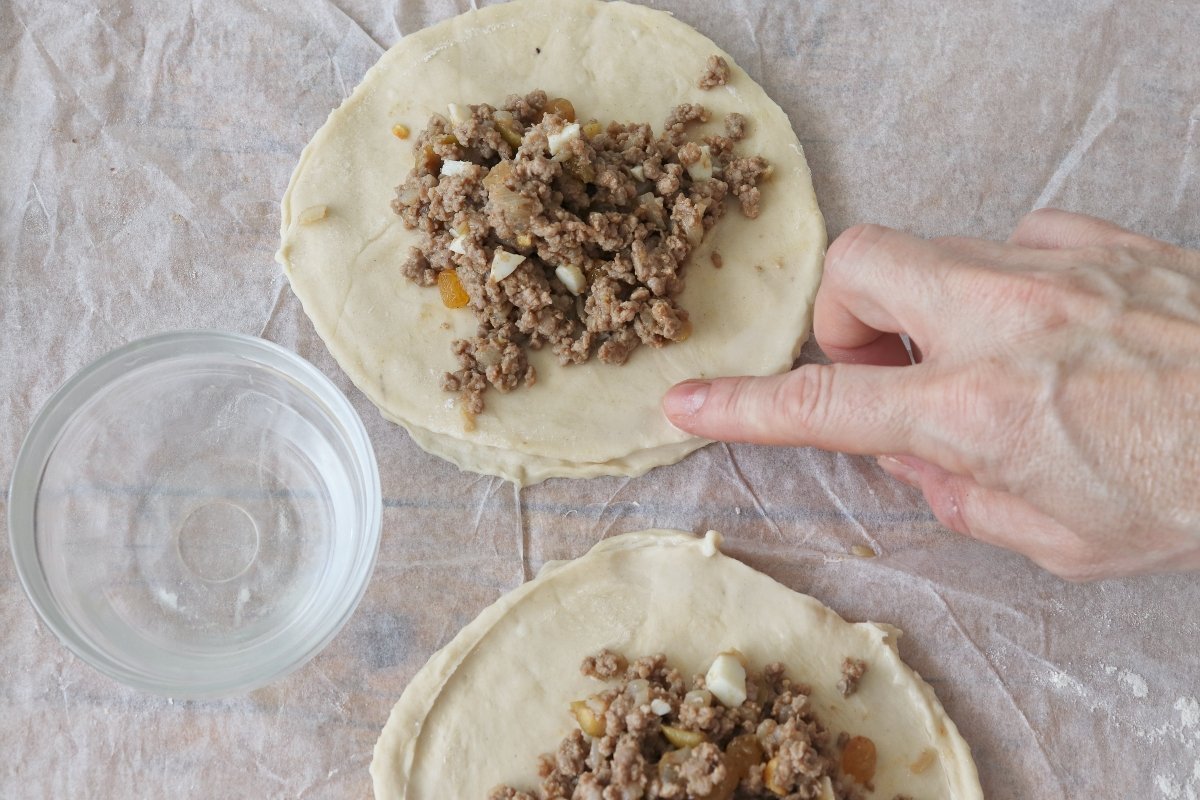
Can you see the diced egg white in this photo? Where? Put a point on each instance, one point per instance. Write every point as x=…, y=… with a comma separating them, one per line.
x=459, y=243
x=572, y=277
x=660, y=706
x=726, y=679
x=450, y=167
x=702, y=169
x=559, y=140
x=504, y=264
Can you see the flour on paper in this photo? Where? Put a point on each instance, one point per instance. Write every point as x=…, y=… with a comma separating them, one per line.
x=1133, y=682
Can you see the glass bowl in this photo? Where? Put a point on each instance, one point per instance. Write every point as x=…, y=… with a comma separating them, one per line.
x=196, y=514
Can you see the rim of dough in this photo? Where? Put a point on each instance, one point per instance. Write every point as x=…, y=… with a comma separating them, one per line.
x=498, y=692
x=393, y=337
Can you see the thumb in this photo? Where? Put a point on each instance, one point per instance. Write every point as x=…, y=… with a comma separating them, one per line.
x=848, y=407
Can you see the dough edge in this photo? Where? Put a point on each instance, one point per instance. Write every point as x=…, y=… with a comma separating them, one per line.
x=392, y=758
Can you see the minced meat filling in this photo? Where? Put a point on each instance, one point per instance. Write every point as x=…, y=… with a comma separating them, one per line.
x=852, y=672
x=565, y=234
x=716, y=73
x=654, y=734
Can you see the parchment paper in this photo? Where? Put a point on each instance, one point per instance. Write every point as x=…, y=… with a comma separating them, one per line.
x=143, y=150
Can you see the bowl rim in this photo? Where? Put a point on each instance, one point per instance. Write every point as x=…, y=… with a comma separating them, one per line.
x=59, y=411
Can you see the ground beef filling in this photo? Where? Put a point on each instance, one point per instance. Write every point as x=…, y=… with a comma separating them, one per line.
x=654, y=734
x=852, y=672
x=716, y=73
x=564, y=234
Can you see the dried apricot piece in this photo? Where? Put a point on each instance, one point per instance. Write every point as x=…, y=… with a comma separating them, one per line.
x=858, y=759
x=429, y=159
x=743, y=752
x=451, y=288
x=740, y=755
x=562, y=108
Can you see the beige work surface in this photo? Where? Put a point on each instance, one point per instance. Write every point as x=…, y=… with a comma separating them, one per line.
x=143, y=151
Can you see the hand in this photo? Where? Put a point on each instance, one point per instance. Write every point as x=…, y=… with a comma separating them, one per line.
x=1055, y=408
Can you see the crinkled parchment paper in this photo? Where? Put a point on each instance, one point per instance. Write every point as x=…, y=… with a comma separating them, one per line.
x=143, y=151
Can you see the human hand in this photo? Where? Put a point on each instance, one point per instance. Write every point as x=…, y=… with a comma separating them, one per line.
x=1055, y=408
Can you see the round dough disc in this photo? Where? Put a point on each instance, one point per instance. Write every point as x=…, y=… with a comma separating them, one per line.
x=498, y=694
x=615, y=61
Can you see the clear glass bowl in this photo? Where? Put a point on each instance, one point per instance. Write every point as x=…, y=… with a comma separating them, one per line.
x=196, y=513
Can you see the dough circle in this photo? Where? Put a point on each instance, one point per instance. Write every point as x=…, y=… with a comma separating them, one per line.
x=487, y=704
x=615, y=61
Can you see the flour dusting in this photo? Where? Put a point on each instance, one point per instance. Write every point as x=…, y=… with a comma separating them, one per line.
x=1065, y=682
x=1134, y=682
x=1187, y=733
x=1189, y=712
x=1169, y=788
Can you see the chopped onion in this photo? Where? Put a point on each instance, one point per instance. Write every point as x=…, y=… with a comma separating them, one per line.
x=702, y=170
x=516, y=209
x=639, y=690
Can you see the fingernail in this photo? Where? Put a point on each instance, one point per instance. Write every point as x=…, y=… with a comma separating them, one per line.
x=685, y=399
x=898, y=469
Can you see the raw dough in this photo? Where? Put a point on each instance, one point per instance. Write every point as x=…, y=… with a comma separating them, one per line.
x=483, y=708
x=393, y=338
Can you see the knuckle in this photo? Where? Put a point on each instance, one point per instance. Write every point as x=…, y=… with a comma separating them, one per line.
x=805, y=398
x=1108, y=257
x=1131, y=251
x=1037, y=301
x=1041, y=216
x=1025, y=289
x=968, y=402
x=984, y=414
x=1034, y=222
x=1159, y=252
x=852, y=244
